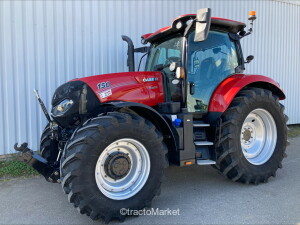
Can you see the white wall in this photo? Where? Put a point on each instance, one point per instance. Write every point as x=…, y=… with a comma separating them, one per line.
x=46, y=43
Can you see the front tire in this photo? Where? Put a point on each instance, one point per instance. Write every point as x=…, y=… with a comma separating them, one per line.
x=253, y=137
x=48, y=147
x=113, y=162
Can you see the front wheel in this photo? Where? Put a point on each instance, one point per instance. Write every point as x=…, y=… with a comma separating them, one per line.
x=113, y=162
x=48, y=147
x=252, y=137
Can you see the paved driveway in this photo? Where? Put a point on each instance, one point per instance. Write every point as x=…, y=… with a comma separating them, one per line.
x=200, y=193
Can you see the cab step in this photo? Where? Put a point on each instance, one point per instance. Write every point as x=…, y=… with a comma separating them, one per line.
x=205, y=162
x=203, y=143
x=201, y=125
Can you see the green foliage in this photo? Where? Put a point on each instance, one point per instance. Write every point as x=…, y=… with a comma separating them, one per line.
x=14, y=168
x=294, y=131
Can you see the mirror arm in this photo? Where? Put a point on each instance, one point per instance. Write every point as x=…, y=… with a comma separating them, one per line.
x=142, y=49
x=188, y=28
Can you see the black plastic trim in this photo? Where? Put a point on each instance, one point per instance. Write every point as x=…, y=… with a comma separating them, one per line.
x=153, y=116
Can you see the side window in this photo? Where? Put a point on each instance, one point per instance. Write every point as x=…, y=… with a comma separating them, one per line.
x=162, y=56
x=164, y=53
x=209, y=63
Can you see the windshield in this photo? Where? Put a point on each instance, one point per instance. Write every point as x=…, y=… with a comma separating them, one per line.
x=164, y=53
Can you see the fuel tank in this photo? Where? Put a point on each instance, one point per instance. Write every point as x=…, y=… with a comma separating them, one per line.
x=141, y=87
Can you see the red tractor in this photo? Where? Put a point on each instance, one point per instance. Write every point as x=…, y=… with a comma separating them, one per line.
x=110, y=136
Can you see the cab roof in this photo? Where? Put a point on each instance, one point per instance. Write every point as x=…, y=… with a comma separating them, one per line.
x=231, y=26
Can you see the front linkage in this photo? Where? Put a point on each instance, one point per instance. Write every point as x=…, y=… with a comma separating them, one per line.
x=48, y=170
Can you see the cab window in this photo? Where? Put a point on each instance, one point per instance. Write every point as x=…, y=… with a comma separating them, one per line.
x=161, y=55
x=209, y=63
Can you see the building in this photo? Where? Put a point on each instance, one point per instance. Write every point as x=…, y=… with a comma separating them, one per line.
x=46, y=43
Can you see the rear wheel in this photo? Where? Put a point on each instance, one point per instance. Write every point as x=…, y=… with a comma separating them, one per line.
x=113, y=162
x=253, y=137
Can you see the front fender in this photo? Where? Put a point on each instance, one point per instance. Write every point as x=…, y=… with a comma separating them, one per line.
x=153, y=116
x=227, y=90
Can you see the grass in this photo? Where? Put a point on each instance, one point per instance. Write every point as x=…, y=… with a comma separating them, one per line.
x=294, y=131
x=13, y=168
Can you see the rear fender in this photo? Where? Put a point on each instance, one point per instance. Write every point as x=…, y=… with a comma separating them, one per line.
x=227, y=90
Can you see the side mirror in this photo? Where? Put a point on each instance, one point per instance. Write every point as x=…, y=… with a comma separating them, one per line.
x=249, y=58
x=203, y=22
x=179, y=74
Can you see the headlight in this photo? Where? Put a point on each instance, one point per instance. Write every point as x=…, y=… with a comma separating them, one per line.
x=62, y=107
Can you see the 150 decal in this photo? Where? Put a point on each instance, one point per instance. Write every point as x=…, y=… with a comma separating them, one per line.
x=103, y=85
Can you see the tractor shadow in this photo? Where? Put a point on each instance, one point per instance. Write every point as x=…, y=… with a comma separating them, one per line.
x=195, y=191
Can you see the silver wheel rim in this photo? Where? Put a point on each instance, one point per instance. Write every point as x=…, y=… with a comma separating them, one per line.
x=134, y=180
x=258, y=136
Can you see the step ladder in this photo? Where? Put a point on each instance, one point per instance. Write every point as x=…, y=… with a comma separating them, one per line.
x=201, y=143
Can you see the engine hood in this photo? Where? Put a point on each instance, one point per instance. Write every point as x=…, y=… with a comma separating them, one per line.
x=141, y=87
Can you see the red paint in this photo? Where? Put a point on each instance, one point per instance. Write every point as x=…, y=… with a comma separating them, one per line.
x=223, y=19
x=145, y=36
x=157, y=32
x=187, y=16
x=184, y=16
x=212, y=18
x=129, y=86
x=226, y=91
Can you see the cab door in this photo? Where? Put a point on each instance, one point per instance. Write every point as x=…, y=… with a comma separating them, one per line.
x=208, y=64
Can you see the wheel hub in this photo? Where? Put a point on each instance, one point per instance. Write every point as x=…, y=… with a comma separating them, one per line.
x=247, y=134
x=117, y=165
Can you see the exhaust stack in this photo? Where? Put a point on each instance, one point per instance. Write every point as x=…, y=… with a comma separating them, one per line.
x=130, y=53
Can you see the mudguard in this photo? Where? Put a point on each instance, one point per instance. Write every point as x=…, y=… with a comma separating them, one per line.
x=153, y=116
x=227, y=90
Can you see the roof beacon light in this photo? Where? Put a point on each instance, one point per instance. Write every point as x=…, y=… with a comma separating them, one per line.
x=252, y=15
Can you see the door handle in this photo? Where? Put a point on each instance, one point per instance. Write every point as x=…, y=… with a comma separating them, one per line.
x=192, y=88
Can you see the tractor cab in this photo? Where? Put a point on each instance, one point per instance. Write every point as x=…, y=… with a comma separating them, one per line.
x=202, y=64
x=195, y=54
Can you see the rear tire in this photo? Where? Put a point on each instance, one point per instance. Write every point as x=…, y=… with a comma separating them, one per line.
x=97, y=140
x=253, y=137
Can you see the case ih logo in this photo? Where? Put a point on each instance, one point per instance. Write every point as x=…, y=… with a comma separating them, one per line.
x=150, y=79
